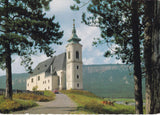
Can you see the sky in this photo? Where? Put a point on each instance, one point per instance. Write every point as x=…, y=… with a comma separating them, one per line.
x=64, y=15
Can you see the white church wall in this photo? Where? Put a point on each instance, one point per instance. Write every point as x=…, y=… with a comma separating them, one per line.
x=46, y=83
x=42, y=82
x=55, y=83
x=62, y=79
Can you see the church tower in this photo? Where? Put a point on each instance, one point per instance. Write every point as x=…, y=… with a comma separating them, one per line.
x=74, y=78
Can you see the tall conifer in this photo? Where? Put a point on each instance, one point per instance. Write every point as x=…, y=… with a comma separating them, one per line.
x=25, y=30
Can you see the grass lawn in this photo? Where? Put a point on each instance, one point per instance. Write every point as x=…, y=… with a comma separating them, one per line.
x=129, y=100
x=23, y=101
x=88, y=103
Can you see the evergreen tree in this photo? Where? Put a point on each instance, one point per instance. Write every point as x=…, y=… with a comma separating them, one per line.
x=25, y=30
x=121, y=24
x=151, y=55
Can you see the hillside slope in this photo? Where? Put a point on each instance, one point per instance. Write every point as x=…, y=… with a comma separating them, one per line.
x=18, y=81
x=110, y=80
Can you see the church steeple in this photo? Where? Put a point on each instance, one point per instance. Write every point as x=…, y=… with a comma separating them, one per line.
x=74, y=38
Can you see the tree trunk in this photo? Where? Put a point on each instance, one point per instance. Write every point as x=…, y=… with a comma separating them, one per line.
x=136, y=59
x=147, y=54
x=153, y=70
x=156, y=57
x=8, y=94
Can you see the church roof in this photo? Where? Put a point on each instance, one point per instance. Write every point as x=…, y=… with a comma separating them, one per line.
x=57, y=62
x=74, y=38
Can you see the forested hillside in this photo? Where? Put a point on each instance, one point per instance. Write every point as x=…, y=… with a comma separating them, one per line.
x=110, y=80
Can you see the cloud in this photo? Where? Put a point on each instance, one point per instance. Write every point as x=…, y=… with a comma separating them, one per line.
x=60, y=5
x=112, y=60
x=2, y=72
x=87, y=34
x=87, y=61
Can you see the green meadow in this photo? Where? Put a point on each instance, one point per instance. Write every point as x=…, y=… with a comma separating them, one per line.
x=89, y=103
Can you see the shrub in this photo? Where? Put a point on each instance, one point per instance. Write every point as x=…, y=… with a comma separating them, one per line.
x=95, y=107
x=8, y=105
x=49, y=93
x=35, y=88
x=31, y=96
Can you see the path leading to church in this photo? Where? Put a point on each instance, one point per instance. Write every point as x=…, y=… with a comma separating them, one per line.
x=61, y=105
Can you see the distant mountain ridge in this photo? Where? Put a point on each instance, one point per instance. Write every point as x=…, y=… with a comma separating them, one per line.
x=107, y=80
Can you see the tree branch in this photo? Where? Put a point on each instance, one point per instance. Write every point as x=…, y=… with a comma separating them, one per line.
x=2, y=31
x=84, y=4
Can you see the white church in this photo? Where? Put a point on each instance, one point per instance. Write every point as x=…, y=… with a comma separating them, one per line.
x=60, y=72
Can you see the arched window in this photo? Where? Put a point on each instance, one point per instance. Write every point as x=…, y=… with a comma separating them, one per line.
x=77, y=76
x=77, y=84
x=77, y=54
x=69, y=55
x=32, y=80
x=38, y=78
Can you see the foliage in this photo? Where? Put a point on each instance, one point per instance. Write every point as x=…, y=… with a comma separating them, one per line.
x=31, y=96
x=7, y=105
x=93, y=104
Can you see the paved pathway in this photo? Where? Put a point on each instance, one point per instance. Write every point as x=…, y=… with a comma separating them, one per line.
x=61, y=105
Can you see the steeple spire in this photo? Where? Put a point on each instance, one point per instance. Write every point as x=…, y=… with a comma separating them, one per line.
x=74, y=38
x=74, y=29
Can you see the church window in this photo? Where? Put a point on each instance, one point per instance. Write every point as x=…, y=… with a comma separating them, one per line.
x=32, y=80
x=69, y=55
x=77, y=84
x=77, y=54
x=77, y=76
x=77, y=67
x=48, y=81
x=48, y=87
x=38, y=78
x=28, y=84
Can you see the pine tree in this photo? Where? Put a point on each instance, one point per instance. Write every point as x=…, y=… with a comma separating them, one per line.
x=121, y=25
x=25, y=30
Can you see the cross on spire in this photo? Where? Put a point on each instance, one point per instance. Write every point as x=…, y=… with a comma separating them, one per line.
x=74, y=38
